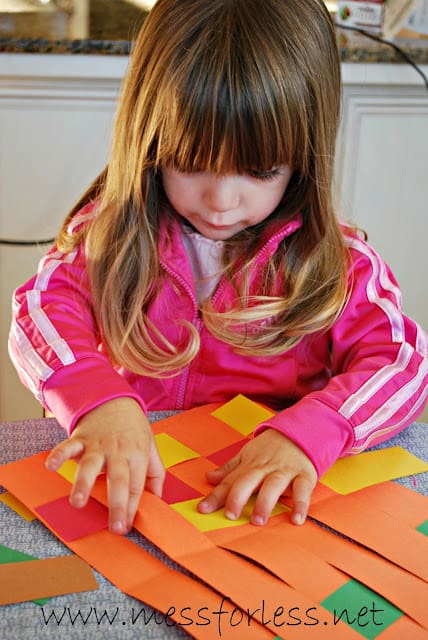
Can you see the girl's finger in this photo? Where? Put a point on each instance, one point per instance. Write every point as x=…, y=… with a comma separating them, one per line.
x=137, y=476
x=241, y=490
x=215, y=476
x=214, y=500
x=90, y=466
x=70, y=448
x=272, y=488
x=118, y=483
x=155, y=472
x=302, y=492
x=233, y=493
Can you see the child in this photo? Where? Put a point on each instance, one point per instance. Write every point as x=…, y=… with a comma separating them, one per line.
x=207, y=261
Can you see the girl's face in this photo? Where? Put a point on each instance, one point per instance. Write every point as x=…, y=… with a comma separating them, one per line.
x=221, y=206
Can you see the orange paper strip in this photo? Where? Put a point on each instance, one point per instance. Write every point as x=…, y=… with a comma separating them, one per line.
x=406, y=591
x=404, y=629
x=376, y=530
x=246, y=585
x=199, y=430
x=298, y=567
x=406, y=505
x=130, y=567
x=189, y=603
x=22, y=581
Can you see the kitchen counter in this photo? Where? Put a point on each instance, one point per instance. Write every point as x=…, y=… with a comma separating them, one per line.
x=108, y=27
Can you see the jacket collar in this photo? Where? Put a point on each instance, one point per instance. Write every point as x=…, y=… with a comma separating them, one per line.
x=171, y=244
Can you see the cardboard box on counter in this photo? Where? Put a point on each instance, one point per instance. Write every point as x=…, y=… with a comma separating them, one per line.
x=383, y=17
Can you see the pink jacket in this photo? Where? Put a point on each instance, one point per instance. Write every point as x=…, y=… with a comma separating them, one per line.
x=336, y=392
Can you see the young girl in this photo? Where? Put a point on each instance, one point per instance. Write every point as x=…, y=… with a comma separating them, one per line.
x=207, y=261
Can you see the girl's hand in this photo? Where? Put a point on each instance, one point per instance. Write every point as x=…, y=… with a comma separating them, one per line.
x=268, y=464
x=115, y=437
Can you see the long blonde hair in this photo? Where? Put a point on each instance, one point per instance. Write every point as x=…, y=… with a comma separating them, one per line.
x=223, y=86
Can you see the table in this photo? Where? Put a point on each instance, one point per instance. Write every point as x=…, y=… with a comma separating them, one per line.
x=106, y=613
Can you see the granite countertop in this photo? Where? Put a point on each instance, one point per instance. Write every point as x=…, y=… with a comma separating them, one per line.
x=110, y=27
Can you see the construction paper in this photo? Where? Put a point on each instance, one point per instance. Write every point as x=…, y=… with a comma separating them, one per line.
x=224, y=455
x=172, y=451
x=404, y=629
x=22, y=581
x=375, y=529
x=401, y=502
x=244, y=583
x=371, y=467
x=298, y=566
x=196, y=418
x=403, y=589
x=189, y=603
x=242, y=414
x=68, y=470
x=423, y=528
x=175, y=490
x=193, y=472
x=367, y=612
x=8, y=555
x=30, y=478
x=136, y=572
x=217, y=519
x=204, y=434
x=71, y=523
x=17, y=506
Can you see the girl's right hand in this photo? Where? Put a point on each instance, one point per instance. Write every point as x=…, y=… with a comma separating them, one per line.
x=115, y=437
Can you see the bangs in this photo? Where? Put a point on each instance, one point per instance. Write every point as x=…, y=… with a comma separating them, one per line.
x=229, y=104
x=218, y=133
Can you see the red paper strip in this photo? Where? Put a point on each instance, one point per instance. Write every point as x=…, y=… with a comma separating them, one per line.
x=71, y=523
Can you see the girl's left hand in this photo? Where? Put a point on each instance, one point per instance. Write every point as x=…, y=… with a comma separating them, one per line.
x=268, y=464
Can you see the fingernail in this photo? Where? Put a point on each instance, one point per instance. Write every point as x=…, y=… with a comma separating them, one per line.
x=298, y=518
x=230, y=516
x=258, y=520
x=78, y=500
x=118, y=527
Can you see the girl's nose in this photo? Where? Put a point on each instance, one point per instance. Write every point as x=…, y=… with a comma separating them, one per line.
x=222, y=193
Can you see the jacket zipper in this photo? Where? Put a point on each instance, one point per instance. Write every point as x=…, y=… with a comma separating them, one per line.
x=276, y=238
x=184, y=375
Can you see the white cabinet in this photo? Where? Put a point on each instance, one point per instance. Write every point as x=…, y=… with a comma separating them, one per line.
x=56, y=114
x=382, y=170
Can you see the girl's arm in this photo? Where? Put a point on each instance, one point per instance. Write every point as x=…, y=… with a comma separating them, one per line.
x=54, y=344
x=379, y=386
x=54, y=341
x=116, y=438
x=380, y=371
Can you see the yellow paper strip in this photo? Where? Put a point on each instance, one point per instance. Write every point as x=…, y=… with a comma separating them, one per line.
x=217, y=520
x=172, y=451
x=372, y=467
x=68, y=470
x=242, y=414
x=17, y=506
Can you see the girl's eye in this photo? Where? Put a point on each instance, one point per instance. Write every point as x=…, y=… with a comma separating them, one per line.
x=264, y=175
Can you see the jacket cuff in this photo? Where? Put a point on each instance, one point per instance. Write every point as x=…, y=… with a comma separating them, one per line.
x=321, y=432
x=82, y=386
